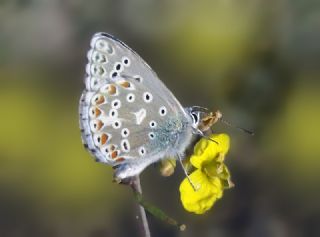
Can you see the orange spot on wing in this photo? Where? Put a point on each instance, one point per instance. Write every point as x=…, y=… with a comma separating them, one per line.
x=125, y=84
x=99, y=124
x=104, y=138
x=100, y=99
x=97, y=112
x=114, y=154
x=112, y=89
x=120, y=159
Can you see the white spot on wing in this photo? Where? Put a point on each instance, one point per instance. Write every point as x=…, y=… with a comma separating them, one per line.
x=138, y=78
x=126, y=61
x=118, y=67
x=147, y=97
x=113, y=113
x=163, y=111
x=151, y=135
x=140, y=115
x=125, y=132
x=113, y=74
x=116, y=124
x=116, y=104
x=142, y=151
x=125, y=145
x=130, y=97
x=153, y=124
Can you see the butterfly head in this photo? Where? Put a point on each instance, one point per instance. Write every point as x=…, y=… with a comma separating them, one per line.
x=202, y=118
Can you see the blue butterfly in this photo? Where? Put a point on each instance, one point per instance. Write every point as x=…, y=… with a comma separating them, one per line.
x=129, y=119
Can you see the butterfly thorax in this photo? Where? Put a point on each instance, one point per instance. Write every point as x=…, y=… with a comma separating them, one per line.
x=174, y=135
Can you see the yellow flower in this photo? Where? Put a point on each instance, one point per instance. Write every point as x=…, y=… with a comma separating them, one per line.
x=211, y=176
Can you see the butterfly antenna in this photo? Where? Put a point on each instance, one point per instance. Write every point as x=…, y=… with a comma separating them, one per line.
x=187, y=175
x=239, y=128
x=199, y=108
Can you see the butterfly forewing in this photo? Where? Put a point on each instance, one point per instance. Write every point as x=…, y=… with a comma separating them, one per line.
x=111, y=59
x=127, y=113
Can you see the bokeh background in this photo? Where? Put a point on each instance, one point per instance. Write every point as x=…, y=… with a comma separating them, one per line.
x=257, y=61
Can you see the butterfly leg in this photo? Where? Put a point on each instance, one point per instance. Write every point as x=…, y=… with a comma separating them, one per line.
x=186, y=173
x=206, y=137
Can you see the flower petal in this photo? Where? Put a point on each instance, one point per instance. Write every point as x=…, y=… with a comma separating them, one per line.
x=167, y=167
x=206, y=150
x=224, y=145
x=201, y=200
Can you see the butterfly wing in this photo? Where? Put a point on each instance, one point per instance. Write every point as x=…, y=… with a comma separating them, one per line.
x=128, y=116
x=109, y=58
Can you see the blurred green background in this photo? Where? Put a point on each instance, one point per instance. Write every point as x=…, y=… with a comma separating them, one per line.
x=257, y=61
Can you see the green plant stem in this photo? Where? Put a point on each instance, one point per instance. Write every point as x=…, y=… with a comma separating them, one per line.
x=155, y=211
x=136, y=188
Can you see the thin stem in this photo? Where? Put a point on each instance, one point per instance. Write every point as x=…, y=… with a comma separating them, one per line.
x=136, y=188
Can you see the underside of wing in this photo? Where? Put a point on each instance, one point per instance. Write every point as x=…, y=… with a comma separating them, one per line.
x=126, y=113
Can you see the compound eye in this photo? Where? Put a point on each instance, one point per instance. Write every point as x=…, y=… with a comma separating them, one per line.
x=195, y=117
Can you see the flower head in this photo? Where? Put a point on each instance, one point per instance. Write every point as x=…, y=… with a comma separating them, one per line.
x=211, y=176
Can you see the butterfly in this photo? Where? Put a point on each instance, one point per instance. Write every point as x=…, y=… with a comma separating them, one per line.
x=128, y=118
